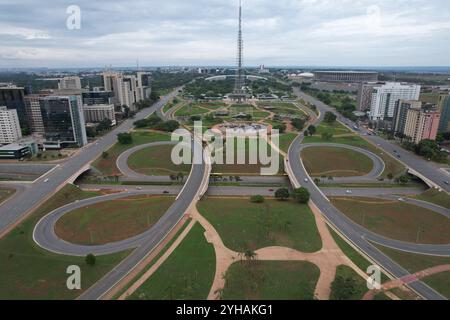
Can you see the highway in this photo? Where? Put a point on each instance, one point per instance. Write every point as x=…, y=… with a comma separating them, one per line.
x=353, y=232
x=429, y=169
x=21, y=205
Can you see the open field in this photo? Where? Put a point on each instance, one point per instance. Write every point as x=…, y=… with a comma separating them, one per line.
x=396, y=220
x=107, y=166
x=243, y=225
x=156, y=161
x=286, y=141
x=190, y=110
x=415, y=262
x=392, y=165
x=440, y=198
x=335, y=162
x=112, y=221
x=335, y=128
x=247, y=168
x=34, y=273
x=5, y=193
x=186, y=275
x=359, y=285
x=271, y=280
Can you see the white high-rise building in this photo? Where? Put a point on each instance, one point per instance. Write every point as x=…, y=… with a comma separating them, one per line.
x=128, y=89
x=385, y=97
x=71, y=83
x=10, y=130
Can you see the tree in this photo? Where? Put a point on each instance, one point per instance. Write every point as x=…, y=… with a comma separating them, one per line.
x=327, y=136
x=330, y=117
x=105, y=155
x=390, y=176
x=257, y=199
x=298, y=123
x=90, y=260
x=280, y=127
x=344, y=288
x=312, y=129
x=282, y=194
x=301, y=195
x=306, y=133
x=250, y=254
x=125, y=138
x=168, y=126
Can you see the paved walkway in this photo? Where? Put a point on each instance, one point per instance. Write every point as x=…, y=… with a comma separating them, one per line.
x=398, y=283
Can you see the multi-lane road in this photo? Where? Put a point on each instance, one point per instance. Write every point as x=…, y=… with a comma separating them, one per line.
x=358, y=235
x=430, y=170
x=19, y=206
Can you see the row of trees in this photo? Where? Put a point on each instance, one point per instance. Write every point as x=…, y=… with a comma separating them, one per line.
x=156, y=123
x=428, y=149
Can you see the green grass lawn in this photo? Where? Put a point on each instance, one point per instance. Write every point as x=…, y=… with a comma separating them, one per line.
x=344, y=162
x=31, y=273
x=392, y=165
x=271, y=280
x=247, y=168
x=396, y=220
x=357, y=285
x=359, y=260
x=191, y=110
x=107, y=166
x=434, y=196
x=156, y=161
x=415, y=262
x=440, y=282
x=112, y=221
x=335, y=128
x=5, y=193
x=286, y=141
x=186, y=275
x=243, y=225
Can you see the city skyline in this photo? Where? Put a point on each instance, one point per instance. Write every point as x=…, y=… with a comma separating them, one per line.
x=287, y=33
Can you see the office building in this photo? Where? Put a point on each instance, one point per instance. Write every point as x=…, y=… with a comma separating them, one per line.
x=421, y=123
x=98, y=113
x=401, y=114
x=127, y=89
x=34, y=115
x=345, y=76
x=72, y=83
x=10, y=130
x=98, y=97
x=444, y=125
x=385, y=97
x=12, y=97
x=63, y=120
x=144, y=85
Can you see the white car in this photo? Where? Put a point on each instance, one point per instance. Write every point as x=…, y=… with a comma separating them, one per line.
x=306, y=180
x=46, y=180
x=401, y=199
x=349, y=192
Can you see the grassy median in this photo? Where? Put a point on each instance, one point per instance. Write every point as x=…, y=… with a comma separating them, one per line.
x=271, y=280
x=244, y=225
x=33, y=273
x=186, y=275
x=112, y=221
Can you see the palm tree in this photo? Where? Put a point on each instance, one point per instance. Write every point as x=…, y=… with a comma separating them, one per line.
x=250, y=255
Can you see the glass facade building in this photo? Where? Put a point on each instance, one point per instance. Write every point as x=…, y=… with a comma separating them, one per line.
x=63, y=120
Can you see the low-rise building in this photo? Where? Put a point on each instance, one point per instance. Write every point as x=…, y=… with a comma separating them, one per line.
x=98, y=113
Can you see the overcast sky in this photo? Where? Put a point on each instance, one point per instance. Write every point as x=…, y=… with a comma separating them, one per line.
x=33, y=33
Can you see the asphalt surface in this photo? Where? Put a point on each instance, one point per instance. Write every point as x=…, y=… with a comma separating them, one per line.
x=358, y=235
x=17, y=208
x=122, y=163
x=429, y=169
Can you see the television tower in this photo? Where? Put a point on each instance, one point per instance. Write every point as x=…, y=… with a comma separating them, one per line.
x=239, y=92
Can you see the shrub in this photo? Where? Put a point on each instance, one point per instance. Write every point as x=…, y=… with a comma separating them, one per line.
x=257, y=199
x=301, y=195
